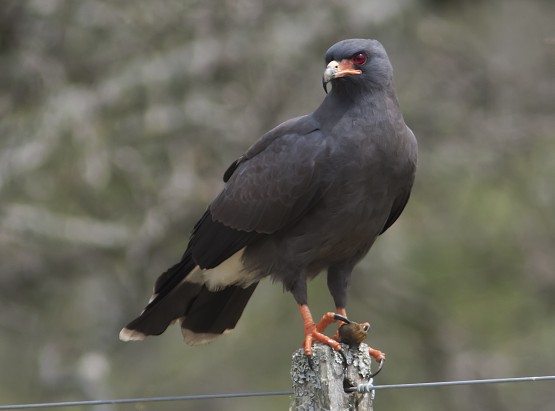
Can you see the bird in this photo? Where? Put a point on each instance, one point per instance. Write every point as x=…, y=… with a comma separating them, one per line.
x=313, y=194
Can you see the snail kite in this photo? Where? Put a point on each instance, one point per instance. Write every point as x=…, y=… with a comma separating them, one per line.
x=312, y=194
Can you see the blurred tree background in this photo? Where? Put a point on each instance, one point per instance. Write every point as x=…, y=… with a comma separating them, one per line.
x=117, y=120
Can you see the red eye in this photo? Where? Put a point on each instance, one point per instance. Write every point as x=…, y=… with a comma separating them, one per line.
x=359, y=59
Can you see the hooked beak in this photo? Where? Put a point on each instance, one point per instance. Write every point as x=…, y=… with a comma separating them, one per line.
x=337, y=70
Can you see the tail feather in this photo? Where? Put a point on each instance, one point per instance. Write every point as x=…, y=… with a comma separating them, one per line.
x=203, y=314
x=161, y=312
x=215, y=312
x=174, y=275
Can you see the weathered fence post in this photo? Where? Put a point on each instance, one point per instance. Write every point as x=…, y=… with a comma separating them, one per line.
x=319, y=383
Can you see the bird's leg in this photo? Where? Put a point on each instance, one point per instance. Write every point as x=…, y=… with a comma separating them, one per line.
x=339, y=276
x=312, y=332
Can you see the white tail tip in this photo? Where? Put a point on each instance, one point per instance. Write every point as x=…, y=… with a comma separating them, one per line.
x=193, y=338
x=131, y=335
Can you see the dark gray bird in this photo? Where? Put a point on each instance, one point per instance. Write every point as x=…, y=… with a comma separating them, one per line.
x=312, y=194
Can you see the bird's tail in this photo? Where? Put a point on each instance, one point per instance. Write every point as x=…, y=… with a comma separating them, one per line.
x=203, y=314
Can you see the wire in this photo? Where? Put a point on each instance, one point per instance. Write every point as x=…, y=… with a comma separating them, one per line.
x=362, y=388
x=369, y=387
x=143, y=400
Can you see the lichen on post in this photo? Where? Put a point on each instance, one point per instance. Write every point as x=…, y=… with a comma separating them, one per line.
x=319, y=381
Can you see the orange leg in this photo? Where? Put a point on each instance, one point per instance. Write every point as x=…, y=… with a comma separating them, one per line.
x=329, y=318
x=313, y=332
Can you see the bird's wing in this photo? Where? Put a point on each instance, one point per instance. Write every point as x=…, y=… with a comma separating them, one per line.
x=402, y=199
x=397, y=208
x=268, y=188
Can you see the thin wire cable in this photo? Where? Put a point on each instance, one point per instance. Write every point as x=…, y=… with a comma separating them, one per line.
x=143, y=400
x=362, y=388
x=369, y=387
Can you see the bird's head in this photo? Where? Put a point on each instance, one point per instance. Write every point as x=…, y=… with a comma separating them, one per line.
x=358, y=63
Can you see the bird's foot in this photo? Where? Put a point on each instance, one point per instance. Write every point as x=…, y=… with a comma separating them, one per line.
x=312, y=334
x=349, y=332
x=315, y=332
x=378, y=355
x=327, y=319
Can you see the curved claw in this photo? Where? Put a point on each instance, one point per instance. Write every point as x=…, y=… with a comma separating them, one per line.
x=339, y=317
x=344, y=357
x=380, y=366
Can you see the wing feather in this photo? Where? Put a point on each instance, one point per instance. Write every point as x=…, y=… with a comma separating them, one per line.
x=274, y=188
x=268, y=188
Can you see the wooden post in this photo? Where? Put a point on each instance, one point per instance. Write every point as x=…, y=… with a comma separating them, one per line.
x=318, y=383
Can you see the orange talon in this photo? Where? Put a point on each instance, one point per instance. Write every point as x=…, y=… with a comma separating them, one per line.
x=376, y=354
x=314, y=332
x=308, y=344
x=327, y=319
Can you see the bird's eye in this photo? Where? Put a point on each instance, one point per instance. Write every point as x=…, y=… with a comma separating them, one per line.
x=359, y=59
